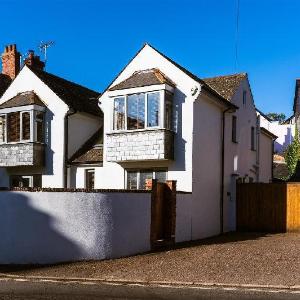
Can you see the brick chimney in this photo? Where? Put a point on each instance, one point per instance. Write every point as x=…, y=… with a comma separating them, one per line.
x=11, y=61
x=34, y=61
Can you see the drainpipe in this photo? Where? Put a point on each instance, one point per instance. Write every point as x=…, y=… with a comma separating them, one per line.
x=66, y=145
x=223, y=171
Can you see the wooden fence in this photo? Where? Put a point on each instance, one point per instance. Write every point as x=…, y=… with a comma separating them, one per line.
x=268, y=207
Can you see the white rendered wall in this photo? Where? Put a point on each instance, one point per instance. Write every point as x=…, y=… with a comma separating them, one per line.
x=266, y=158
x=112, y=174
x=49, y=227
x=206, y=169
x=81, y=127
x=54, y=124
x=240, y=160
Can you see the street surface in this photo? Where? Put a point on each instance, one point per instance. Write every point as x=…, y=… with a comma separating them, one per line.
x=33, y=290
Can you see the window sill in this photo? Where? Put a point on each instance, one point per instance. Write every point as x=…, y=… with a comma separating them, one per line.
x=138, y=130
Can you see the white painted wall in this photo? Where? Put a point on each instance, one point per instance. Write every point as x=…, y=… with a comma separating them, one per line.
x=112, y=174
x=54, y=119
x=49, y=227
x=240, y=160
x=81, y=127
x=207, y=145
x=284, y=132
x=265, y=158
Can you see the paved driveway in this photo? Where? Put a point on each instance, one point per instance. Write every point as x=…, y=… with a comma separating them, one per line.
x=256, y=259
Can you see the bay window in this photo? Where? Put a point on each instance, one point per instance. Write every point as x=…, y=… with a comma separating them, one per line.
x=22, y=126
x=142, y=111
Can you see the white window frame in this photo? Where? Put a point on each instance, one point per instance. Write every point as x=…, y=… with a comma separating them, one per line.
x=138, y=171
x=32, y=111
x=161, y=123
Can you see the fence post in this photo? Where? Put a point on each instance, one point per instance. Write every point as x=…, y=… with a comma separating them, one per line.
x=171, y=184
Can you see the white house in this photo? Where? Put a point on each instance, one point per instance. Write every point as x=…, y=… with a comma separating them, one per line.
x=161, y=121
x=44, y=121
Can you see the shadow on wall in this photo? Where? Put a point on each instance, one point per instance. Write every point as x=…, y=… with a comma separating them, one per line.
x=48, y=141
x=179, y=142
x=28, y=235
x=288, y=139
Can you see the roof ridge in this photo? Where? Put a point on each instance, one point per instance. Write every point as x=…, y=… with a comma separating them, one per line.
x=230, y=75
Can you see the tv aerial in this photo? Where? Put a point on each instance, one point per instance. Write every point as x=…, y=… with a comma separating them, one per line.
x=43, y=46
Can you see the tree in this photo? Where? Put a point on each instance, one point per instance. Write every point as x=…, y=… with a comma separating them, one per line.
x=292, y=154
x=276, y=117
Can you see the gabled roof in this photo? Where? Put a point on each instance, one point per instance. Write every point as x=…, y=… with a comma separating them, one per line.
x=226, y=85
x=205, y=86
x=143, y=78
x=74, y=95
x=22, y=99
x=91, y=152
x=268, y=133
x=5, y=81
x=264, y=115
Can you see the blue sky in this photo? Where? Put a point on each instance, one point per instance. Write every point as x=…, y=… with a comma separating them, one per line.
x=95, y=39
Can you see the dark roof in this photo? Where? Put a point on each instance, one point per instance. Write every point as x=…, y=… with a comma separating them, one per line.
x=5, y=81
x=193, y=76
x=91, y=152
x=280, y=171
x=226, y=85
x=74, y=95
x=269, y=133
x=264, y=115
x=25, y=98
x=143, y=78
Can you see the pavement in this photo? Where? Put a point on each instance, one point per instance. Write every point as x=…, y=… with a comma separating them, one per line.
x=238, y=265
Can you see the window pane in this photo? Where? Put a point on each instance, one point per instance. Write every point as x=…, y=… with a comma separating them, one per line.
x=25, y=126
x=131, y=180
x=119, y=113
x=2, y=129
x=89, y=179
x=144, y=175
x=252, y=138
x=39, y=125
x=153, y=110
x=169, y=111
x=13, y=127
x=136, y=111
x=161, y=176
x=233, y=133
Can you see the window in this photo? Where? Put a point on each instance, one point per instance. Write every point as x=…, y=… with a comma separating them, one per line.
x=13, y=127
x=136, y=179
x=136, y=111
x=2, y=129
x=252, y=138
x=244, y=98
x=233, y=133
x=119, y=113
x=18, y=126
x=24, y=181
x=90, y=179
x=139, y=111
x=153, y=109
x=25, y=125
x=169, y=111
x=39, y=126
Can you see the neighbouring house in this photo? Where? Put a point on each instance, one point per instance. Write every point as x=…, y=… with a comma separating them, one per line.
x=163, y=122
x=44, y=121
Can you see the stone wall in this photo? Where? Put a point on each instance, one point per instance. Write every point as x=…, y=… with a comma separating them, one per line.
x=21, y=154
x=147, y=144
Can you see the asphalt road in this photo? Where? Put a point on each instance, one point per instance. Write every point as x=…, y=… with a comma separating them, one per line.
x=33, y=290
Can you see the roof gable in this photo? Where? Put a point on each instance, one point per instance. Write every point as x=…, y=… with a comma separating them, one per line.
x=226, y=85
x=143, y=78
x=74, y=95
x=22, y=99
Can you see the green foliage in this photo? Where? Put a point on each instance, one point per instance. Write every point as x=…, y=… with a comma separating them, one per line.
x=276, y=117
x=292, y=154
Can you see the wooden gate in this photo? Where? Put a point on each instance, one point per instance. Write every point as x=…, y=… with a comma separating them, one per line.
x=268, y=207
x=163, y=214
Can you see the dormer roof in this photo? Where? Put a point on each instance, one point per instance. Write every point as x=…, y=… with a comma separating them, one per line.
x=143, y=78
x=23, y=99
